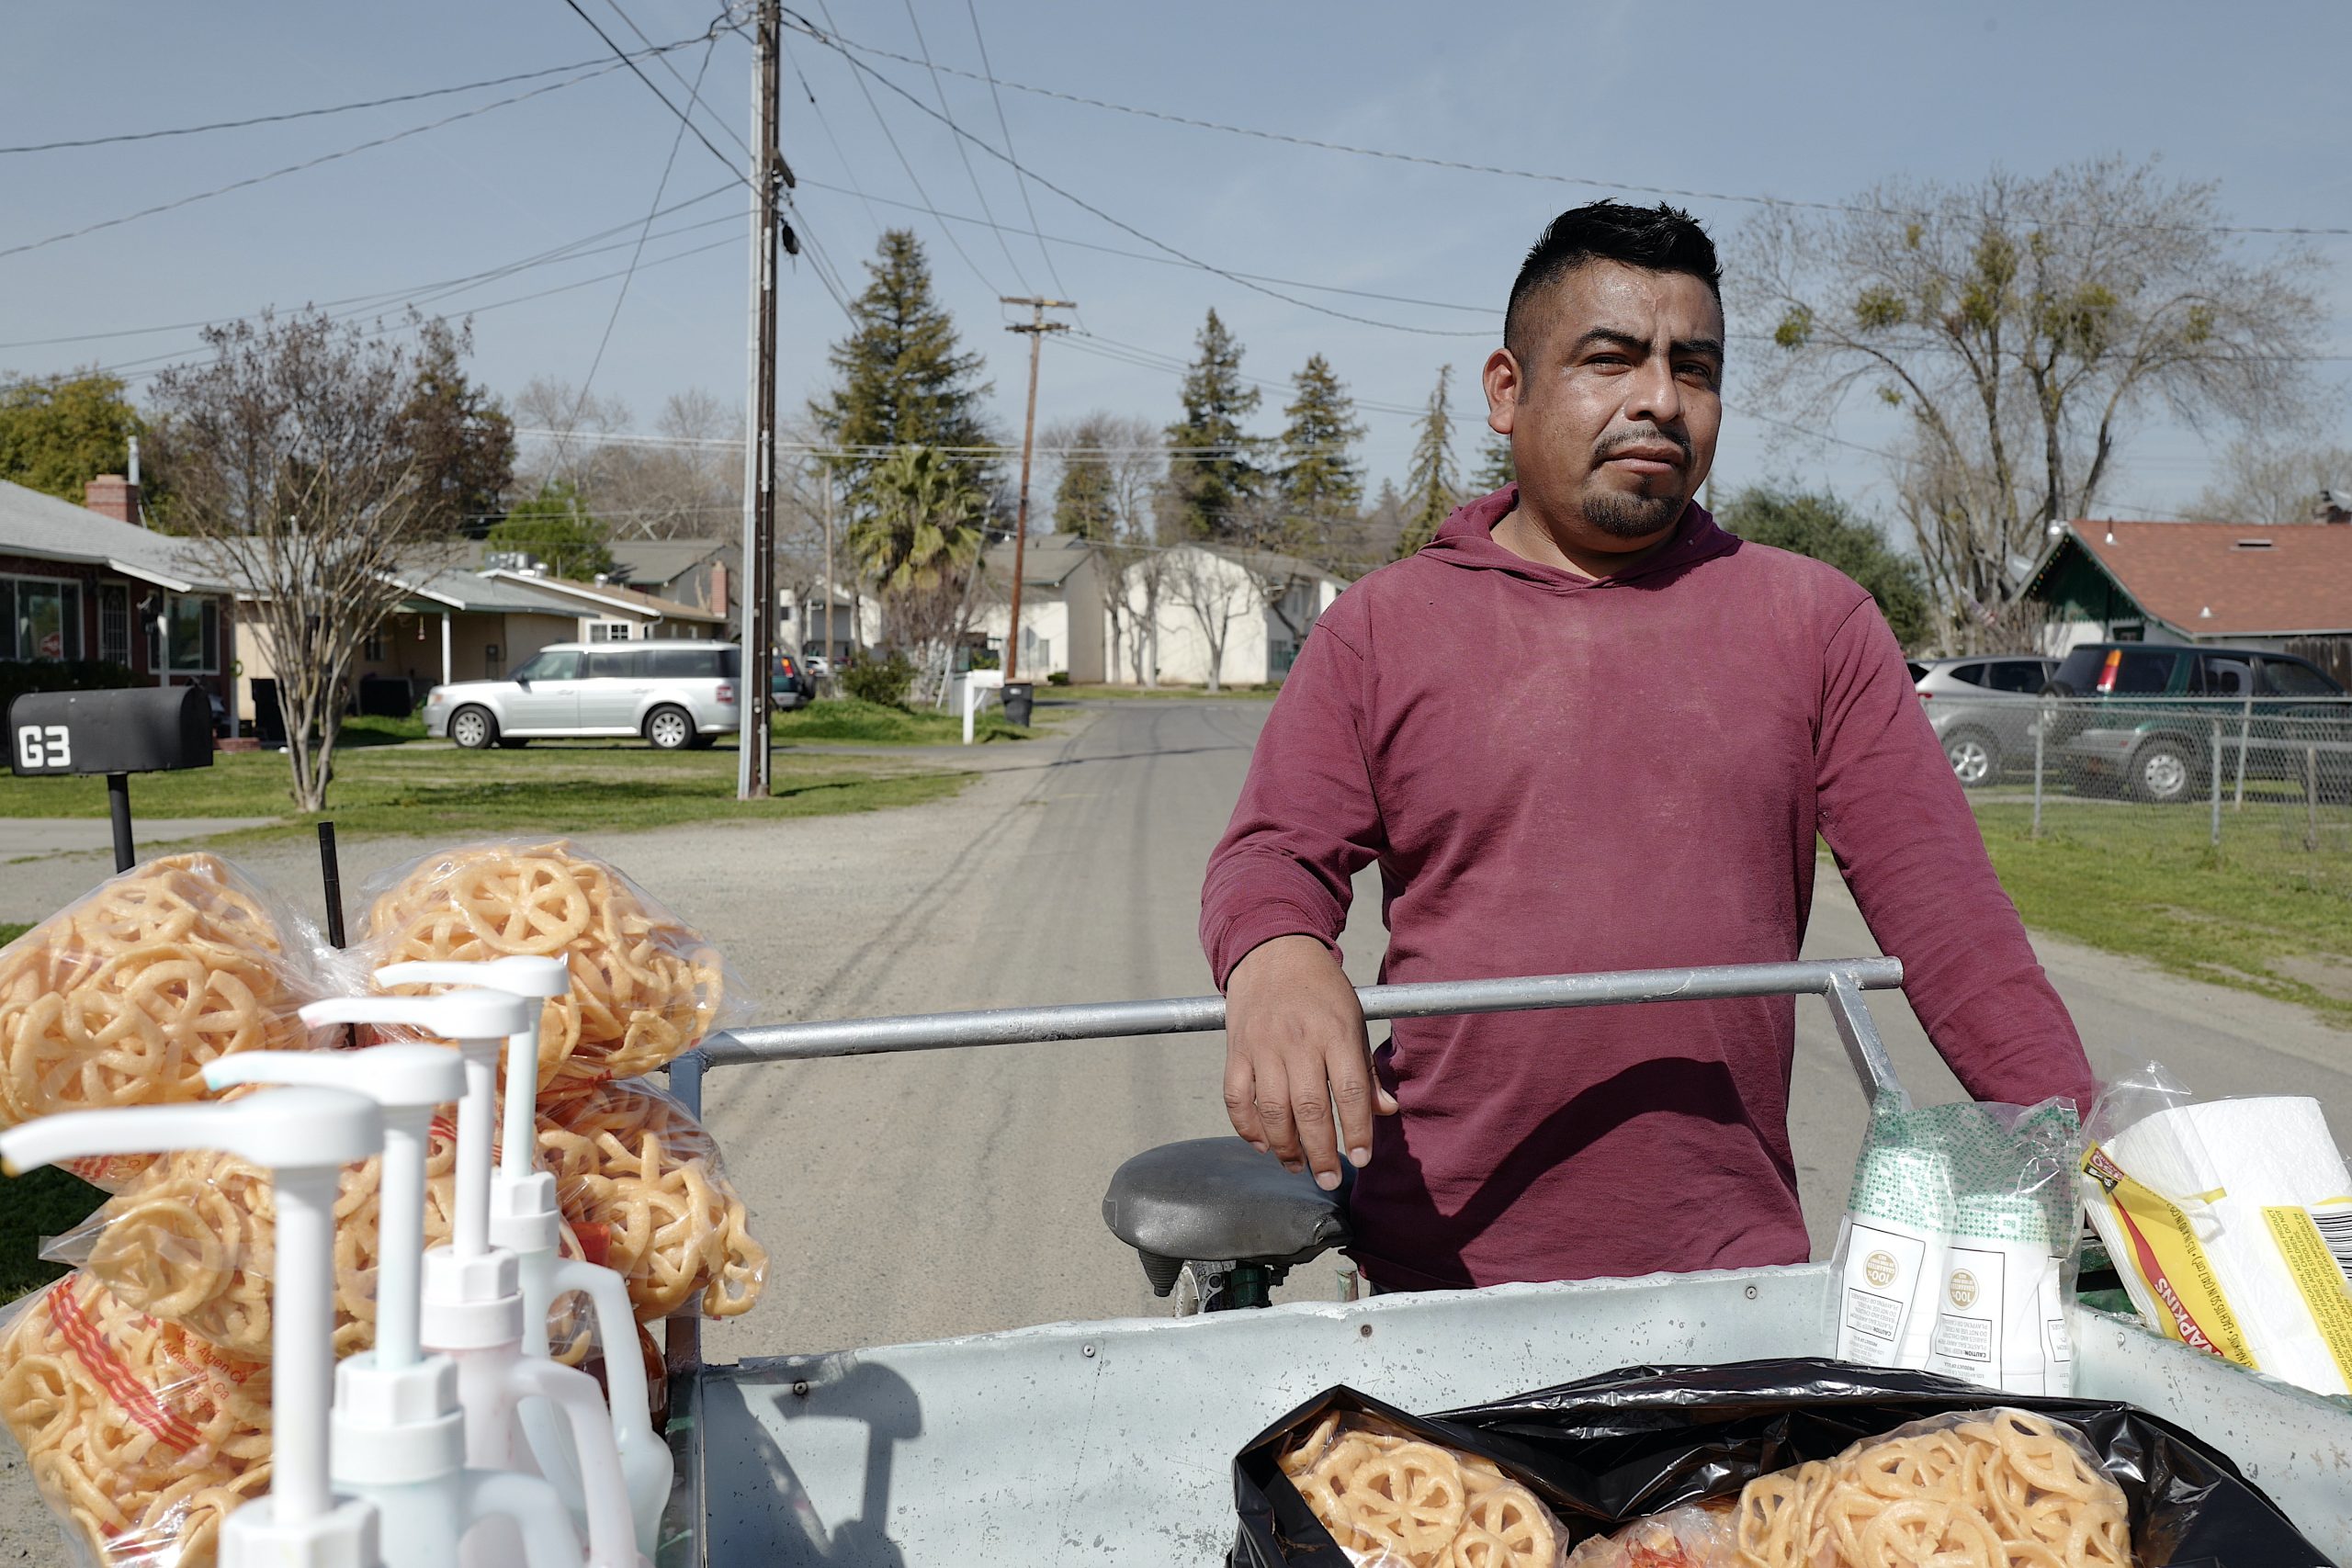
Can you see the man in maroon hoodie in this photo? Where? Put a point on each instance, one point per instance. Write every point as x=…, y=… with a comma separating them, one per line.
x=1585, y=729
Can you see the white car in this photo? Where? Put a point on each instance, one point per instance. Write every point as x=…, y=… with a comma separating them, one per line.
x=816, y=664
x=677, y=694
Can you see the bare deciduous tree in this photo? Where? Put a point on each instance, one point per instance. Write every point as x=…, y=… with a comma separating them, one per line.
x=2275, y=480
x=288, y=463
x=685, y=481
x=1215, y=591
x=2026, y=326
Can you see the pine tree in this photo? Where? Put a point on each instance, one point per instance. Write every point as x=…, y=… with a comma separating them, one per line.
x=1086, y=502
x=1212, y=489
x=1321, y=480
x=1496, y=467
x=1433, y=485
x=463, y=439
x=903, y=383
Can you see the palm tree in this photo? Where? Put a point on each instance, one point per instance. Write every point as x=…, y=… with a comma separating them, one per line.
x=922, y=520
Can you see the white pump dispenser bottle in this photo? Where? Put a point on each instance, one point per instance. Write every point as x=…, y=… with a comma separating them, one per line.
x=472, y=1309
x=400, y=1436
x=303, y=1137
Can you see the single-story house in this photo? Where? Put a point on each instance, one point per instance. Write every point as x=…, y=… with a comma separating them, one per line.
x=1061, y=598
x=803, y=623
x=458, y=625
x=91, y=583
x=1246, y=611
x=705, y=573
x=2286, y=587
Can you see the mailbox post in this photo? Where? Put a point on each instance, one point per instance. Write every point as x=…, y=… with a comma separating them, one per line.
x=139, y=729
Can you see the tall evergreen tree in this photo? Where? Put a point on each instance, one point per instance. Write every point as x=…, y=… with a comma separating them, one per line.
x=1321, y=480
x=463, y=439
x=1496, y=467
x=1211, y=490
x=903, y=381
x=1086, y=498
x=1433, y=484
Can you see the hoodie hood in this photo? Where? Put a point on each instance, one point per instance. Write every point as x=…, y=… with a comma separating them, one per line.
x=1467, y=541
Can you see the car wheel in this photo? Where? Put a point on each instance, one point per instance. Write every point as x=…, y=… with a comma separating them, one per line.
x=472, y=729
x=1975, y=759
x=670, y=728
x=2163, y=772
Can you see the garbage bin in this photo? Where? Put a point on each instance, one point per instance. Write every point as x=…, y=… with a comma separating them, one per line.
x=269, y=724
x=1017, y=695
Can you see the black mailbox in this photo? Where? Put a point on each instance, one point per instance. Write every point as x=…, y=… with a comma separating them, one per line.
x=137, y=729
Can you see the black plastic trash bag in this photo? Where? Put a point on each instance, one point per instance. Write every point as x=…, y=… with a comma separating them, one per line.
x=1612, y=1449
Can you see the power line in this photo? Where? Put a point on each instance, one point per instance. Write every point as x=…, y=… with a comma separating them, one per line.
x=1125, y=227
x=622, y=55
x=840, y=42
x=677, y=139
x=1020, y=179
x=694, y=93
x=652, y=48
x=969, y=173
x=421, y=292
x=308, y=162
x=912, y=177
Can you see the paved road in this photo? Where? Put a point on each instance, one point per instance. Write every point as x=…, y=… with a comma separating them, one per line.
x=953, y=1193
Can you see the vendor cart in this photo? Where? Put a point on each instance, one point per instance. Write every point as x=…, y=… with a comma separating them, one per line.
x=1112, y=1442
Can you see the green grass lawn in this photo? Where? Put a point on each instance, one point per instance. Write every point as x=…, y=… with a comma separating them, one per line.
x=571, y=787
x=2264, y=914
x=41, y=1203
x=847, y=720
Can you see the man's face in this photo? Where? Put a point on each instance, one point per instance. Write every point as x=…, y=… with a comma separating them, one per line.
x=1615, y=413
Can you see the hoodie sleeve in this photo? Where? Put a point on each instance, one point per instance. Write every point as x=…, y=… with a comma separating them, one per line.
x=1909, y=848
x=1307, y=821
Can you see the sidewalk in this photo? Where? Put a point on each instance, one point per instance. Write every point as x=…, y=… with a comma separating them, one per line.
x=25, y=838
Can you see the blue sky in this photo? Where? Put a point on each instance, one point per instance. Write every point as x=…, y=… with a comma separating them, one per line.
x=1798, y=101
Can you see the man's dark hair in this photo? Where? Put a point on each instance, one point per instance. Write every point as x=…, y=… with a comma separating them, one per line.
x=1659, y=239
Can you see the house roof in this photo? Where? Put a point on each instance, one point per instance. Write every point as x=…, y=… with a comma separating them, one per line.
x=1047, y=562
x=2224, y=580
x=610, y=596
x=456, y=588
x=1273, y=561
x=39, y=526
x=664, y=560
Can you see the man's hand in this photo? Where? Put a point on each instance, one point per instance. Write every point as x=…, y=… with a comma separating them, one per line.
x=1295, y=1047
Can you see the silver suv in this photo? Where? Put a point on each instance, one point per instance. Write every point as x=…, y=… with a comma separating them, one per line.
x=675, y=694
x=1983, y=710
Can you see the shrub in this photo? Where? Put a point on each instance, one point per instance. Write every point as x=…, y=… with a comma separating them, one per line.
x=19, y=676
x=882, y=681
x=1059, y=678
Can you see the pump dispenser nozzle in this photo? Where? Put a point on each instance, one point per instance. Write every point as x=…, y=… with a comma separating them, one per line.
x=303, y=1136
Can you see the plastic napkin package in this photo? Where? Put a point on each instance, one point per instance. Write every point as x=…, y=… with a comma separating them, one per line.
x=1958, y=1250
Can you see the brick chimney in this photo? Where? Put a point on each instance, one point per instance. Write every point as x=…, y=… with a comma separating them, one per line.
x=111, y=495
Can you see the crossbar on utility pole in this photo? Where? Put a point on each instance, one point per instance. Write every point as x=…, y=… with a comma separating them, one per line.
x=1037, y=327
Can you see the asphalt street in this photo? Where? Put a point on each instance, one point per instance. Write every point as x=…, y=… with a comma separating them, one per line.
x=939, y=1194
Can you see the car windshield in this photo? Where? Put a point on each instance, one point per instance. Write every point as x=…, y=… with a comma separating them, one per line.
x=549, y=666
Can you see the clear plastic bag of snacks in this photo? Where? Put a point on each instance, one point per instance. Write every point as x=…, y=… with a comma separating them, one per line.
x=142, y=1436
x=645, y=985
x=123, y=996
x=1389, y=1499
x=192, y=1240
x=640, y=1182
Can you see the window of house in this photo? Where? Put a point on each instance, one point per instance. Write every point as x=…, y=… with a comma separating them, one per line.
x=193, y=626
x=371, y=647
x=114, y=622
x=40, y=617
x=609, y=631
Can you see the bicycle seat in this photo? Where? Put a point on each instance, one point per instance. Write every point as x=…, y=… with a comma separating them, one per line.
x=1218, y=1199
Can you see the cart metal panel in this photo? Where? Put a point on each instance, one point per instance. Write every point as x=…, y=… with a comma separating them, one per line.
x=1112, y=1442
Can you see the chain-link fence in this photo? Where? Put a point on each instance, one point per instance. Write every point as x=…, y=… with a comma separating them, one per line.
x=2259, y=784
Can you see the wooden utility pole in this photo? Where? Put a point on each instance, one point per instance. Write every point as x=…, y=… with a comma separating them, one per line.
x=770, y=177
x=830, y=655
x=1037, y=327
